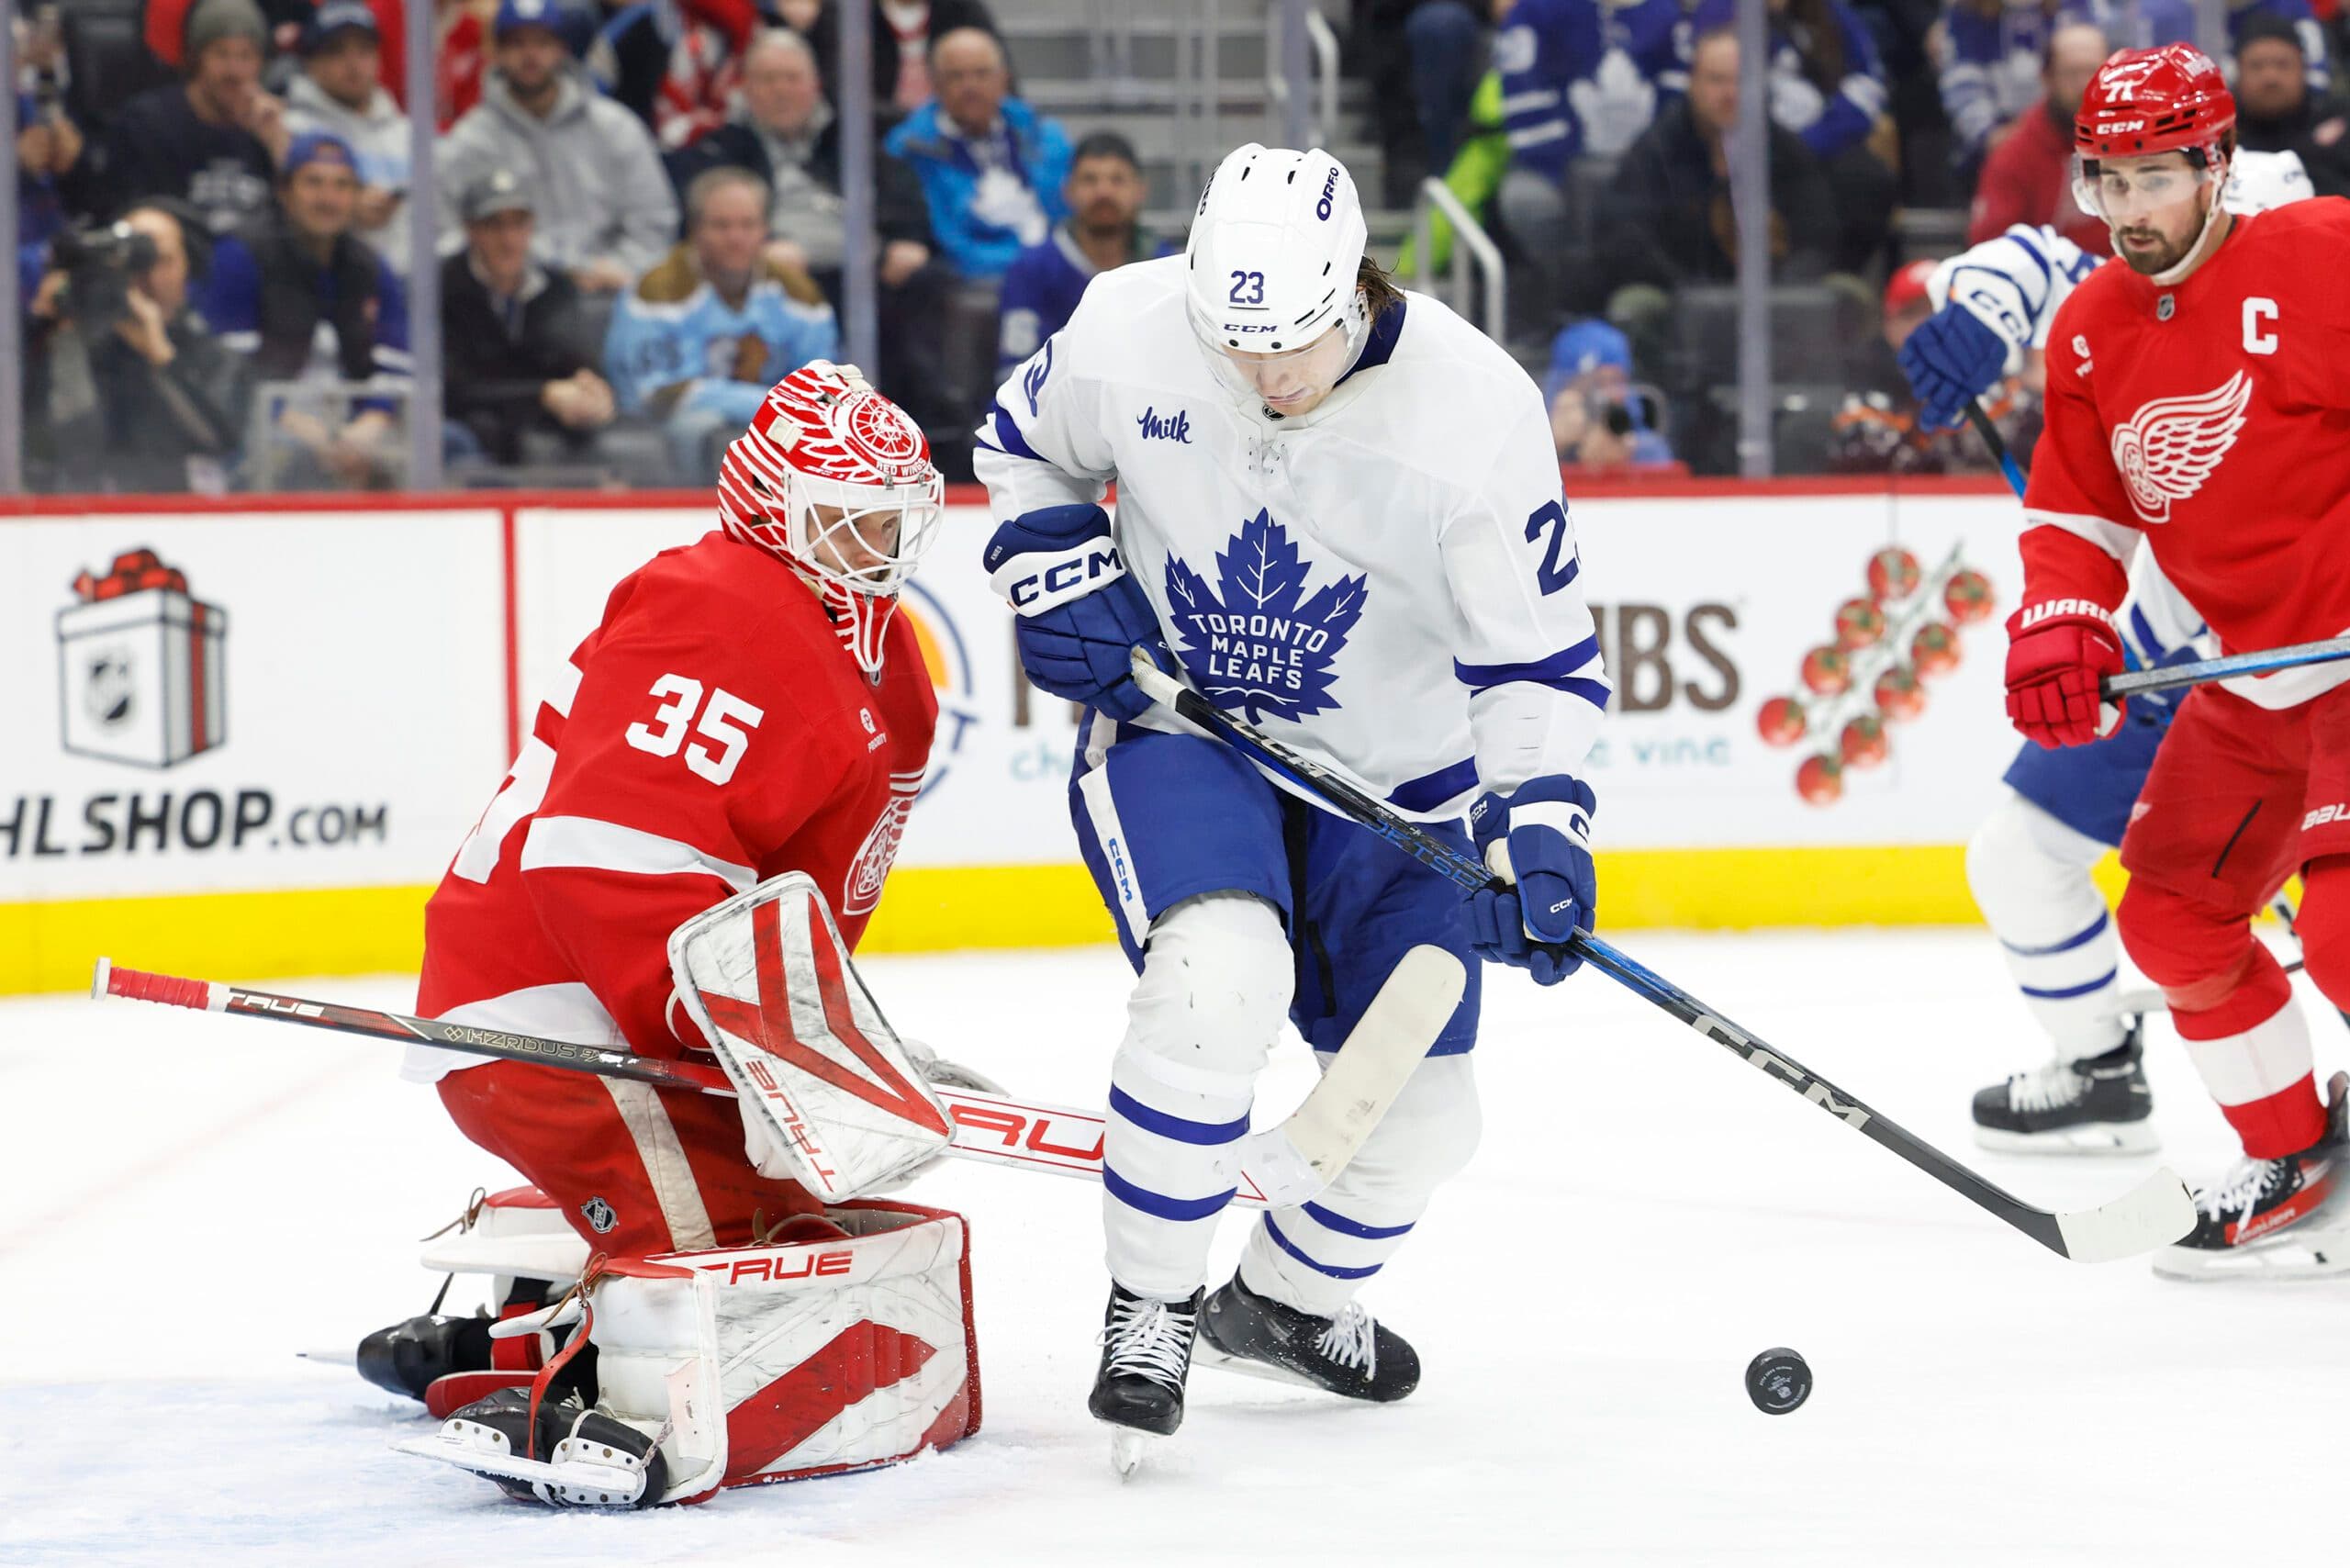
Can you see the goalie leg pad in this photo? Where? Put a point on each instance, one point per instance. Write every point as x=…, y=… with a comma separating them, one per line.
x=1316, y=1256
x=836, y=1351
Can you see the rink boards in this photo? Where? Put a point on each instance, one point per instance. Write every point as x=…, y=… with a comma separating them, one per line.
x=252, y=749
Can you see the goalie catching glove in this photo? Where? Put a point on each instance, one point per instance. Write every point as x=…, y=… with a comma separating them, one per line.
x=1536, y=839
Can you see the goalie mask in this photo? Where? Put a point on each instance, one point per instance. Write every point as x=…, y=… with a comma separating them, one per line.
x=1270, y=273
x=835, y=480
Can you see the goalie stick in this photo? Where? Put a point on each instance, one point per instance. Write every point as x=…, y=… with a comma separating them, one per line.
x=2154, y=1214
x=1286, y=1164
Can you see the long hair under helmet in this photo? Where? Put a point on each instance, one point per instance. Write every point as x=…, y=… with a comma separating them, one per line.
x=1272, y=259
x=2147, y=101
x=825, y=439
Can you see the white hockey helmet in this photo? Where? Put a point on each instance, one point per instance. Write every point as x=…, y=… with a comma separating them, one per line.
x=1270, y=268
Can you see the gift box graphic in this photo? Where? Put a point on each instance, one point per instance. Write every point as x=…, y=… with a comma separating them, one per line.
x=139, y=665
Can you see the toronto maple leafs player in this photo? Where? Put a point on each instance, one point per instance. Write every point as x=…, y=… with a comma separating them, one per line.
x=2028, y=865
x=1338, y=515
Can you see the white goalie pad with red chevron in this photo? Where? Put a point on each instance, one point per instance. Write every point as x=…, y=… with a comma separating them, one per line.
x=845, y=1344
x=767, y=978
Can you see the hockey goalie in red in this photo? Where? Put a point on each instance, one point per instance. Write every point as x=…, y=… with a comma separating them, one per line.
x=750, y=708
x=2198, y=399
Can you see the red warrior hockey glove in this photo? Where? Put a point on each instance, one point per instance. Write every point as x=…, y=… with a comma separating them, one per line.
x=2058, y=652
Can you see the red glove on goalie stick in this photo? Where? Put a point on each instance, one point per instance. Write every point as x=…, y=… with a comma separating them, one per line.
x=2058, y=652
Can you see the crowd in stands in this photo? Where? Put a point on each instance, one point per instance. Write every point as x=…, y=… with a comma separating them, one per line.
x=638, y=215
x=637, y=210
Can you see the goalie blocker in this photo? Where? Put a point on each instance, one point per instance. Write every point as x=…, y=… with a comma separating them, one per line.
x=844, y=1342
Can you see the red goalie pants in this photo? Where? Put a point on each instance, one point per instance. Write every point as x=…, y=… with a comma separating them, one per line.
x=2240, y=797
x=635, y=1170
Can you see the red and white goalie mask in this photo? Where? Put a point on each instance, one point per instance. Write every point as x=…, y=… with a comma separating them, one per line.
x=2151, y=144
x=835, y=479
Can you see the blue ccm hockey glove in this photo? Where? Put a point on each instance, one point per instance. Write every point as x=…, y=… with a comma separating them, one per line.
x=1537, y=836
x=1081, y=615
x=1952, y=358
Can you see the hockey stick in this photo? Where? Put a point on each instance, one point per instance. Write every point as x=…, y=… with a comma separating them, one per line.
x=1997, y=444
x=2157, y=1212
x=2259, y=662
x=1288, y=1163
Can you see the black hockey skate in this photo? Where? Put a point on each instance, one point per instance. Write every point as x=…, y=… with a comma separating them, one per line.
x=2097, y=1104
x=576, y=1457
x=1146, y=1360
x=1350, y=1354
x=2237, y=1215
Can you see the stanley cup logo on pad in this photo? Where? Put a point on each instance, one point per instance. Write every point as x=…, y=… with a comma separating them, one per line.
x=141, y=664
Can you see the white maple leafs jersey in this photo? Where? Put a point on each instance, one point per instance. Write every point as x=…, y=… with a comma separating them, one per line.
x=1389, y=583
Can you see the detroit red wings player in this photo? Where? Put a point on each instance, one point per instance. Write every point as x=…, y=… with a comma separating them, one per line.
x=750, y=706
x=2198, y=398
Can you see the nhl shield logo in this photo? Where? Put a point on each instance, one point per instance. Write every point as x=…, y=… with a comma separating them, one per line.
x=599, y=1215
x=1261, y=644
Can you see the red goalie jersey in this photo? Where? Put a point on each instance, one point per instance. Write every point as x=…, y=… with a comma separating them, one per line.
x=2214, y=417
x=714, y=731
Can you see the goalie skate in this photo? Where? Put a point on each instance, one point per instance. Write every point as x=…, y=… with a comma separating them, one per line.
x=2273, y=1219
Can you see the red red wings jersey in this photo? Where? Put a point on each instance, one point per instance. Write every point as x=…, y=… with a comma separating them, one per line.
x=712, y=732
x=2215, y=418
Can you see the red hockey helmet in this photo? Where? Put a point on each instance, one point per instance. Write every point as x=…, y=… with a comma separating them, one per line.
x=2143, y=101
x=833, y=477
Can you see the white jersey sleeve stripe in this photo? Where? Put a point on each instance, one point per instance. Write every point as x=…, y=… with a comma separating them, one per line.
x=584, y=844
x=2112, y=538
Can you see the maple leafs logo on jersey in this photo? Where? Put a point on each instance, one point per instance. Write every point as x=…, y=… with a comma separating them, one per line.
x=2169, y=447
x=1255, y=647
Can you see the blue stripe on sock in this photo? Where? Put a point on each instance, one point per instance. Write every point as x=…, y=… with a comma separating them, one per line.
x=1158, y=1204
x=1286, y=1245
x=1176, y=1128
x=2096, y=929
x=1345, y=1227
x=2062, y=993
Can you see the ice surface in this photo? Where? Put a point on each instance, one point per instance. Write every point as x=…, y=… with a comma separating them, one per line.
x=190, y=1199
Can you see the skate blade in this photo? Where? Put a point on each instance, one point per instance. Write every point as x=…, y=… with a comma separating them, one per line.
x=2097, y=1140
x=1206, y=1353
x=1128, y=1447
x=2319, y=1255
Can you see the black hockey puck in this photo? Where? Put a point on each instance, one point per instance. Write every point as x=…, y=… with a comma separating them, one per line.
x=1778, y=1381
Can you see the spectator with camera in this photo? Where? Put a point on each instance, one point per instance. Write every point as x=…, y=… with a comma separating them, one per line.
x=1598, y=422
x=1103, y=232
x=515, y=355
x=207, y=139
x=697, y=342
x=321, y=315
x=339, y=94
x=605, y=212
x=132, y=390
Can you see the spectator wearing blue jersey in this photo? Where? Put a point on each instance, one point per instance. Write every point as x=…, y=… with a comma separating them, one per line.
x=1100, y=234
x=1580, y=79
x=991, y=167
x=315, y=310
x=700, y=339
x=1828, y=86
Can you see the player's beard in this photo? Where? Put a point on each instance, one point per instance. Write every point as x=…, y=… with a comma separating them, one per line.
x=2149, y=261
